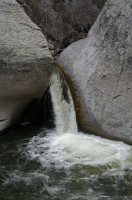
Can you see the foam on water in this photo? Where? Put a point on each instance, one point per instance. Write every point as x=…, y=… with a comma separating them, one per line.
x=67, y=150
x=71, y=167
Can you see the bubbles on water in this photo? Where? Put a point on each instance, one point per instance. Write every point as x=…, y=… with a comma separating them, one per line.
x=68, y=167
x=91, y=165
x=67, y=150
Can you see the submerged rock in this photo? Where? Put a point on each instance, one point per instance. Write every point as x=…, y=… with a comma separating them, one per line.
x=25, y=62
x=100, y=68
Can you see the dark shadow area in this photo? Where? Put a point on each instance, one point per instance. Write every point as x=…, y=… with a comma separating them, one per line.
x=39, y=113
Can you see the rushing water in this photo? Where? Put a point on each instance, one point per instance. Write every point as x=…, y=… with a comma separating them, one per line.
x=63, y=164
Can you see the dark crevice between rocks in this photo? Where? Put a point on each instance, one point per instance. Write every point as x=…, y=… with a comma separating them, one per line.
x=39, y=113
x=46, y=111
x=3, y=120
x=62, y=22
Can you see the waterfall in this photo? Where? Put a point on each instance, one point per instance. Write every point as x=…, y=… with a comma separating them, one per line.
x=65, y=147
x=65, y=118
x=67, y=143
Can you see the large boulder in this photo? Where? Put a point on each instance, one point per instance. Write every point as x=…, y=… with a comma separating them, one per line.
x=100, y=69
x=25, y=62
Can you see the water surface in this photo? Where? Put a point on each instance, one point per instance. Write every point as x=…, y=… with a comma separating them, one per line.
x=39, y=164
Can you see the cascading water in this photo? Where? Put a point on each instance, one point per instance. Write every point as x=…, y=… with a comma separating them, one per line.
x=65, y=118
x=64, y=164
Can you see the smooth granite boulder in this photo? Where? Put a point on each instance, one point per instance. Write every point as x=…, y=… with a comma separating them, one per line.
x=100, y=69
x=25, y=62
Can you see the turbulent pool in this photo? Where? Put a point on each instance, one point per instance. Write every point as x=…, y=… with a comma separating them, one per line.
x=62, y=163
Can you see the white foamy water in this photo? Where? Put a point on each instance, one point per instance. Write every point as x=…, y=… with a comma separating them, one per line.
x=67, y=150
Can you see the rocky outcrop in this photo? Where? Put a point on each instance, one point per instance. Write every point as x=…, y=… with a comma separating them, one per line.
x=63, y=21
x=25, y=62
x=100, y=68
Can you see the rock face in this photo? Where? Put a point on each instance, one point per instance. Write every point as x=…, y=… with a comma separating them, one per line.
x=25, y=62
x=100, y=68
x=63, y=21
